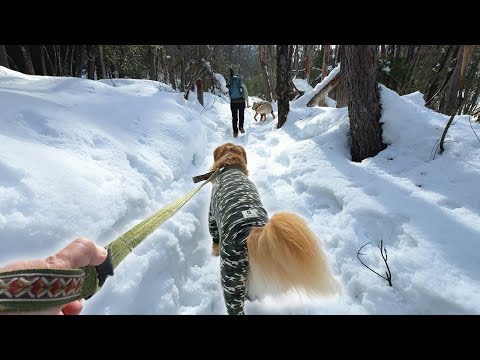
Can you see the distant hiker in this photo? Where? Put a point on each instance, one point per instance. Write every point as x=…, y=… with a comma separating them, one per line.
x=238, y=96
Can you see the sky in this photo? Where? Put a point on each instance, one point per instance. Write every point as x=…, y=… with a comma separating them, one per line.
x=94, y=158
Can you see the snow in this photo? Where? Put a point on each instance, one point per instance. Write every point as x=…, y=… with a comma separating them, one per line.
x=222, y=82
x=302, y=85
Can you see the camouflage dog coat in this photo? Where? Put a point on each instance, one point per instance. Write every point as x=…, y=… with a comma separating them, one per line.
x=235, y=207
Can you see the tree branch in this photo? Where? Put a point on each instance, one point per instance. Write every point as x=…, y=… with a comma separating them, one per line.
x=13, y=63
x=455, y=111
x=382, y=249
x=53, y=68
x=388, y=272
x=213, y=103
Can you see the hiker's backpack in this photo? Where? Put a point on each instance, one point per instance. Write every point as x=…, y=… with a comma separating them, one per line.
x=236, y=90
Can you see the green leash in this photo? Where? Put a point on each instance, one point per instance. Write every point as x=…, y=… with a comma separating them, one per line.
x=37, y=289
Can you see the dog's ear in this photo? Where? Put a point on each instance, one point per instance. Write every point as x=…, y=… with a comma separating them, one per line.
x=244, y=153
x=216, y=153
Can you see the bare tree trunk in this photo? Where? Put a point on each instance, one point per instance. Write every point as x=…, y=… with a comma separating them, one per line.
x=199, y=84
x=182, y=66
x=308, y=61
x=72, y=53
x=473, y=103
x=171, y=74
x=467, y=54
x=15, y=67
x=71, y=61
x=230, y=55
x=102, y=63
x=58, y=59
x=358, y=70
x=456, y=84
x=239, y=54
x=3, y=57
x=391, y=50
x=163, y=59
x=263, y=71
x=54, y=63
x=383, y=52
x=272, y=70
x=42, y=60
x=295, y=57
x=81, y=61
x=64, y=65
x=52, y=67
x=159, y=64
x=326, y=57
x=182, y=75
x=398, y=51
x=337, y=54
x=283, y=78
x=432, y=86
x=27, y=59
x=410, y=53
x=91, y=63
x=151, y=62
x=412, y=59
x=341, y=90
x=198, y=72
x=474, y=90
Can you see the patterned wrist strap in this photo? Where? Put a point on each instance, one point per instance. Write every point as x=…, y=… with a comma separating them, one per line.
x=37, y=289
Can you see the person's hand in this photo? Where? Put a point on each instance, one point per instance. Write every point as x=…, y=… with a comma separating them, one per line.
x=79, y=253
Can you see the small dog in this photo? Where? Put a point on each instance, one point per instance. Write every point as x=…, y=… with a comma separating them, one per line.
x=263, y=108
x=259, y=255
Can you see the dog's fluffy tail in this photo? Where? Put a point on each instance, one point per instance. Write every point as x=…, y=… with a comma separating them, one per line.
x=285, y=254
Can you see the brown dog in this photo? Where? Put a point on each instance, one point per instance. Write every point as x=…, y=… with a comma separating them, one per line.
x=263, y=108
x=259, y=255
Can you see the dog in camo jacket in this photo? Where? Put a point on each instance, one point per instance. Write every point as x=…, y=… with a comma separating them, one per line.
x=258, y=255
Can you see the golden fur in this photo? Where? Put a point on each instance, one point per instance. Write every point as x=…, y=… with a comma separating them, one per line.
x=284, y=254
x=230, y=154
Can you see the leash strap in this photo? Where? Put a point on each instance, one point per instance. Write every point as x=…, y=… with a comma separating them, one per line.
x=37, y=289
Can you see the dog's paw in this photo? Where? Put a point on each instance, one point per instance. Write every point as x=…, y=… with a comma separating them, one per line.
x=215, y=249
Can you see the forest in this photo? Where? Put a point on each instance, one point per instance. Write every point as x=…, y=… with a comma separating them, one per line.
x=448, y=76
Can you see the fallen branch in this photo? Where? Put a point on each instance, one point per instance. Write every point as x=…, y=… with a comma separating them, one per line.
x=213, y=103
x=384, y=257
x=324, y=90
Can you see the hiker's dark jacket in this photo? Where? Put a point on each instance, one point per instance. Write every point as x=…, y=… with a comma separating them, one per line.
x=235, y=207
